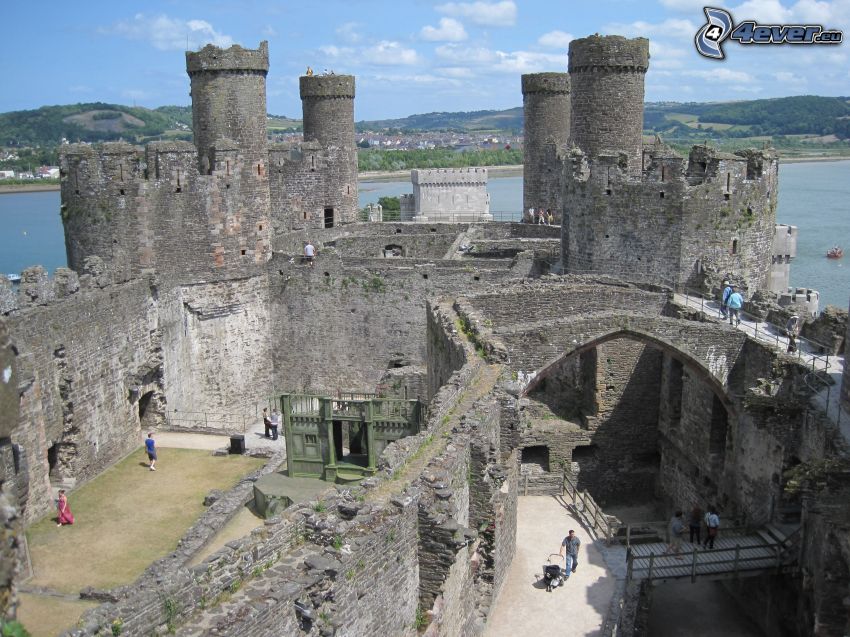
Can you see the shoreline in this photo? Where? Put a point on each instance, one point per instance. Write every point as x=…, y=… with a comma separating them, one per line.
x=400, y=175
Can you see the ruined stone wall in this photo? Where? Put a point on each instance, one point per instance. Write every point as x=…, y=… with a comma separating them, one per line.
x=79, y=359
x=378, y=312
x=10, y=520
x=444, y=355
x=420, y=246
x=546, y=132
x=218, y=352
x=845, y=382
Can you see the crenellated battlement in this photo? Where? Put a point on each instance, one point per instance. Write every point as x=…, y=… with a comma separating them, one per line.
x=436, y=177
x=236, y=58
x=678, y=221
x=37, y=288
x=326, y=86
x=609, y=54
x=546, y=83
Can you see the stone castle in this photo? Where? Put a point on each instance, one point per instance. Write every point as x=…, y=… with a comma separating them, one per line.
x=541, y=352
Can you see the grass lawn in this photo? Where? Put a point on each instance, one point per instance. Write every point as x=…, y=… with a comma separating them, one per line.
x=128, y=517
x=45, y=616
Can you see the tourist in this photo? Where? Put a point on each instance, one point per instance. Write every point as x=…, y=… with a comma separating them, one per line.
x=541, y=216
x=695, y=524
x=735, y=303
x=65, y=515
x=531, y=217
x=792, y=329
x=571, y=543
x=677, y=528
x=309, y=253
x=309, y=72
x=724, y=299
x=550, y=218
x=275, y=423
x=712, y=523
x=150, y=447
x=267, y=422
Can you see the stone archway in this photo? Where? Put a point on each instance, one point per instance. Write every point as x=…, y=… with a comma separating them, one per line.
x=614, y=442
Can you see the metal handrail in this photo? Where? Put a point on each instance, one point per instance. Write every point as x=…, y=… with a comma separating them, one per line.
x=637, y=564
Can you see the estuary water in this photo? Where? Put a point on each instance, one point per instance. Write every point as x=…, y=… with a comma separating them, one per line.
x=813, y=196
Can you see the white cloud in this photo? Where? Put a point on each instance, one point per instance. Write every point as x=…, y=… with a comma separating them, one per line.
x=555, y=39
x=664, y=56
x=135, y=94
x=813, y=11
x=786, y=77
x=269, y=31
x=492, y=61
x=349, y=32
x=762, y=11
x=79, y=88
x=472, y=56
x=170, y=34
x=689, y=6
x=723, y=76
x=336, y=52
x=450, y=30
x=389, y=53
x=671, y=27
x=455, y=71
x=490, y=14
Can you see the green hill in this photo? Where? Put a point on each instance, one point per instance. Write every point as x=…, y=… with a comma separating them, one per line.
x=94, y=122
x=507, y=120
x=809, y=115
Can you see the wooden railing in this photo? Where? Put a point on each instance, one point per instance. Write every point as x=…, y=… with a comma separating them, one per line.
x=589, y=512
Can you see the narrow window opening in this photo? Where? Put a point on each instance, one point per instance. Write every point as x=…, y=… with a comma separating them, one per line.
x=227, y=168
x=663, y=173
x=121, y=191
x=661, y=194
x=734, y=246
x=261, y=227
x=728, y=181
x=305, y=215
x=329, y=217
x=424, y=276
x=242, y=252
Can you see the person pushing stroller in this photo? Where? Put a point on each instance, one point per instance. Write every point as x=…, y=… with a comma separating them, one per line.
x=571, y=543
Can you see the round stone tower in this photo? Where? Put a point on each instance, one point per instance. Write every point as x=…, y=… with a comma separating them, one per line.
x=607, y=77
x=546, y=113
x=328, y=110
x=229, y=101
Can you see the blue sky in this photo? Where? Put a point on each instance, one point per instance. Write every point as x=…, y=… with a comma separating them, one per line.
x=409, y=56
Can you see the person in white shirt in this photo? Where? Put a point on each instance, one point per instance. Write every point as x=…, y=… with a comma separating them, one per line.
x=309, y=253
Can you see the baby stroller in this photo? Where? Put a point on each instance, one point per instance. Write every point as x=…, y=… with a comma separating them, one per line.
x=553, y=574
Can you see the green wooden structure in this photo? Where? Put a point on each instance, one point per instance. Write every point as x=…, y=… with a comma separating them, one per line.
x=340, y=439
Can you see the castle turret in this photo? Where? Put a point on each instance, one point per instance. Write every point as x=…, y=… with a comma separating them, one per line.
x=546, y=112
x=328, y=106
x=230, y=123
x=607, y=78
x=229, y=100
x=100, y=194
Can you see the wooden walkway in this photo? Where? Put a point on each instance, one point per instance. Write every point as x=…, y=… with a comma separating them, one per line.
x=736, y=555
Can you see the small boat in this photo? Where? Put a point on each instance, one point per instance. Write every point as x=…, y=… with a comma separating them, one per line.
x=14, y=278
x=835, y=252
